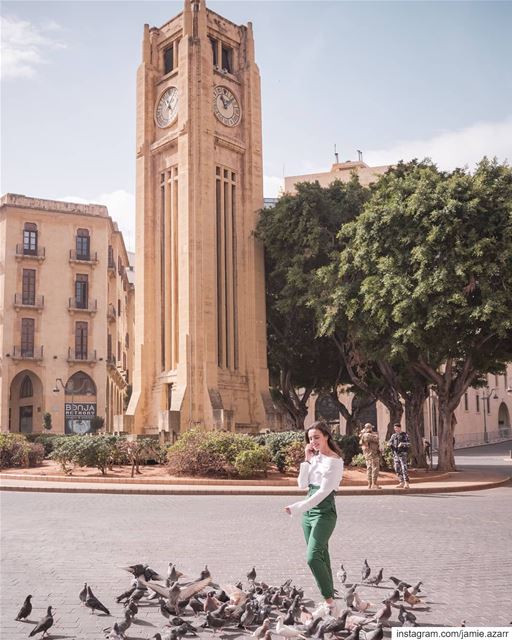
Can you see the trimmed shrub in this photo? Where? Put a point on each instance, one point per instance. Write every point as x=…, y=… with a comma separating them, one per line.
x=208, y=453
x=252, y=462
x=349, y=446
x=47, y=440
x=358, y=461
x=277, y=442
x=293, y=454
x=86, y=451
x=17, y=451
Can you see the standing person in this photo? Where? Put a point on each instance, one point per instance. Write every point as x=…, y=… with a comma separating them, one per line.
x=369, y=442
x=399, y=445
x=321, y=472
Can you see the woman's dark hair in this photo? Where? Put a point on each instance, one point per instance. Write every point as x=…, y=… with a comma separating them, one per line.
x=323, y=427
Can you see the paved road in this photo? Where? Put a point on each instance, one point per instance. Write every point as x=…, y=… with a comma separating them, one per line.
x=458, y=544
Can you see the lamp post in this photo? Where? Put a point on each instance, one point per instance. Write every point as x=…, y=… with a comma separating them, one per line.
x=485, y=399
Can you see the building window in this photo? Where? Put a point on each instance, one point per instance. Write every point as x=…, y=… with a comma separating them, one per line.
x=227, y=59
x=127, y=340
x=119, y=350
x=215, y=48
x=168, y=59
x=80, y=384
x=119, y=307
x=109, y=346
x=81, y=290
x=477, y=398
x=26, y=389
x=83, y=245
x=111, y=261
x=27, y=337
x=466, y=401
x=30, y=239
x=28, y=291
x=81, y=340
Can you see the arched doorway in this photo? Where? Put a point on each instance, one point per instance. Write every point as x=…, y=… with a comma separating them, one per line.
x=25, y=402
x=79, y=403
x=504, y=420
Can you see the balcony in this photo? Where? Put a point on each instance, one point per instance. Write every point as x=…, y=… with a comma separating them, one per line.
x=81, y=306
x=83, y=258
x=23, y=252
x=111, y=362
x=111, y=313
x=32, y=353
x=111, y=268
x=82, y=356
x=24, y=301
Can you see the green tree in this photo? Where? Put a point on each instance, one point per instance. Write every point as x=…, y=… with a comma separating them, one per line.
x=425, y=278
x=300, y=235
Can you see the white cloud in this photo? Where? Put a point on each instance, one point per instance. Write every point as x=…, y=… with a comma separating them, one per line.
x=452, y=149
x=24, y=45
x=272, y=186
x=121, y=208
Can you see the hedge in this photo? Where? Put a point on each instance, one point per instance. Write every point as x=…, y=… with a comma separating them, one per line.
x=16, y=451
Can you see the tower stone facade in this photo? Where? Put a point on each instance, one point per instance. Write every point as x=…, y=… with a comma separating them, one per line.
x=200, y=335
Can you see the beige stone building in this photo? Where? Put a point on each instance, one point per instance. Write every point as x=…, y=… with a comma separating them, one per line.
x=339, y=171
x=66, y=325
x=200, y=336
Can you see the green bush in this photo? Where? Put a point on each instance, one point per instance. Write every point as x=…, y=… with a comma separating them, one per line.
x=252, y=462
x=17, y=451
x=207, y=453
x=86, y=451
x=47, y=421
x=48, y=440
x=349, y=445
x=358, y=461
x=293, y=454
x=277, y=443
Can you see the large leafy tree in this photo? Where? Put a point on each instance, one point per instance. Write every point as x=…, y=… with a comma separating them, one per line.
x=301, y=235
x=425, y=278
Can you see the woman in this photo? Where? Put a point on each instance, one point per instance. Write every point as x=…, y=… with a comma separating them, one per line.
x=321, y=471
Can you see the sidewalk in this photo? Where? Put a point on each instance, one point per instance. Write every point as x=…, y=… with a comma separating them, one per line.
x=442, y=483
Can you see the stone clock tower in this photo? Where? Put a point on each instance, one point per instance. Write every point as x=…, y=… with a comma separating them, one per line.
x=200, y=352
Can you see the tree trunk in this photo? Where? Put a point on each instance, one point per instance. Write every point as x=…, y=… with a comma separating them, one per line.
x=290, y=402
x=446, y=459
x=391, y=400
x=414, y=402
x=352, y=425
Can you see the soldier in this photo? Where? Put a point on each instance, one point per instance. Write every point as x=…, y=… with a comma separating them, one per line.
x=369, y=442
x=399, y=445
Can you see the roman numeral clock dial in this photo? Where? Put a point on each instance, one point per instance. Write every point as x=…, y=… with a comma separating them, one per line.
x=166, y=109
x=226, y=107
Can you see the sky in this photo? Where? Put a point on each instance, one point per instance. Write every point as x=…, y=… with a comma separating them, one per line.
x=396, y=80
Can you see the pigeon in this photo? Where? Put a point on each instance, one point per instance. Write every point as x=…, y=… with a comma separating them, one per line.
x=214, y=623
x=289, y=618
x=123, y=596
x=400, y=584
x=211, y=603
x=355, y=633
x=349, y=595
x=125, y=624
x=286, y=631
x=205, y=573
x=142, y=571
x=352, y=622
x=172, y=573
x=196, y=605
x=251, y=576
x=305, y=615
x=334, y=626
x=43, y=625
x=411, y=598
x=394, y=596
x=383, y=614
x=176, y=593
x=261, y=631
x=94, y=604
x=361, y=605
x=83, y=594
x=416, y=589
x=376, y=580
x=247, y=617
x=375, y=634
x=115, y=633
x=406, y=616
x=164, y=609
x=132, y=608
x=342, y=574
x=26, y=609
x=365, y=571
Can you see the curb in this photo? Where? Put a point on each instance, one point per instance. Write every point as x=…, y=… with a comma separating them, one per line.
x=264, y=491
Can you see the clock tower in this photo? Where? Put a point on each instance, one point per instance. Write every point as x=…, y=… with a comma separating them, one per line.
x=200, y=334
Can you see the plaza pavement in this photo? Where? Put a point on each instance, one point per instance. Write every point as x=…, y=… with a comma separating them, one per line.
x=458, y=544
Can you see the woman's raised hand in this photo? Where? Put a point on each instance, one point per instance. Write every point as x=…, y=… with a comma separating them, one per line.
x=309, y=452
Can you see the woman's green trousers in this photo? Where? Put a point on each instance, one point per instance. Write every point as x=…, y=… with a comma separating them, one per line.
x=318, y=524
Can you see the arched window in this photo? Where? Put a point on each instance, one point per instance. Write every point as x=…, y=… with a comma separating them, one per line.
x=26, y=389
x=30, y=239
x=80, y=384
x=83, y=244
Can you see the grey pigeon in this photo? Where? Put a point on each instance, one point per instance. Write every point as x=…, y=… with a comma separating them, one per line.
x=376, y=634
x=26, y=609
x=416, y=589
x=94, y=604
x=115, y=633
x=214, y=623
x=406, y=617
x=365, y=571
x=251, y=576
x=355, y=634
x=394, y=596
x=176, y=593
x=83, y=594
x=400, y=584
x=342, y=574
x=196, y=605
x=376, y=580
x=349, y=595
x=205, y=573
x=261, y=631
x=383, y=614
x=43, y=625
x=123, y=596
x=132, y=608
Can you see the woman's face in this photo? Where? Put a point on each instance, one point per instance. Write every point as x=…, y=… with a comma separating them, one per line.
x=318, y=440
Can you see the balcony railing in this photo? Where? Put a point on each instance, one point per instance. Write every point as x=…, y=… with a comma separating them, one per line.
x=89, y=258
x=111, y=361
x=24, y=301
x=87, y=306
x=22, y=251
x=27, y=353
x=111, y=313
x=81, y=356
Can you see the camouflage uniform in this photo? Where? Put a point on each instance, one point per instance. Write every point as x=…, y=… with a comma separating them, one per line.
x=369, y=442
x=399, y=444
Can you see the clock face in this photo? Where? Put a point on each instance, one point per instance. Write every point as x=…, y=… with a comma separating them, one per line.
x=226, y=107
x=167, y=107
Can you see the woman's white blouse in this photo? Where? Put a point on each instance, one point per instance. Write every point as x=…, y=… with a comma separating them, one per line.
x=324, y=471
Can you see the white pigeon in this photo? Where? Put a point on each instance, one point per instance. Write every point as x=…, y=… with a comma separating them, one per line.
x=355, y=621
x=286, y=632
x=361, y=605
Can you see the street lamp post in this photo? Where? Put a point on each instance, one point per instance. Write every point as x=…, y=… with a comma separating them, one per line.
x=485, y=400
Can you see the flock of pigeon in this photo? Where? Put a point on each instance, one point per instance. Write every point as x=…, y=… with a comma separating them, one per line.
x=262, y=610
